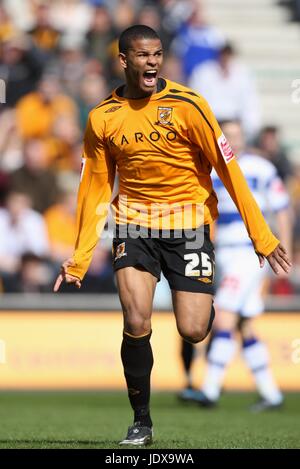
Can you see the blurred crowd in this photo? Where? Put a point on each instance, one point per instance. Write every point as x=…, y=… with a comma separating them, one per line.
x=58, y=60
x=294, y=7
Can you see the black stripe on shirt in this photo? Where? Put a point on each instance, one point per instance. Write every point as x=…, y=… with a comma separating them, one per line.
x=187, y=100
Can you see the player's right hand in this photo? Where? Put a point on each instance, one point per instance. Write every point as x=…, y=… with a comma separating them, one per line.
x=65, y=277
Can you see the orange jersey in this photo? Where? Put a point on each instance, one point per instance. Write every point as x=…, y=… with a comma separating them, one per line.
x=163, y=148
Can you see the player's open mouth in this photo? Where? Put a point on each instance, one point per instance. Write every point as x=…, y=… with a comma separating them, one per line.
x=150, y=77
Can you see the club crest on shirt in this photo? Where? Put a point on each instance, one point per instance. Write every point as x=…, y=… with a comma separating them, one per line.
x=120, y=251
x=164, y=115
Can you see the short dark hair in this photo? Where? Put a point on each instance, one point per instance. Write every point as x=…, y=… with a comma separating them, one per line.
x=234, y=120
x=227, y=48
x=135, y=32
x=272, y=129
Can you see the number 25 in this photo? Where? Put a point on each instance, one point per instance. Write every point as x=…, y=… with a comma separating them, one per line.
x=206, y=265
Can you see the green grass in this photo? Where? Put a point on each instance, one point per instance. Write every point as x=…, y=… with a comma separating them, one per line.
x=100, y=420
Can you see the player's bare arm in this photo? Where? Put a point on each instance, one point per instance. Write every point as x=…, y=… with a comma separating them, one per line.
x=277, y=258
x=65, y=277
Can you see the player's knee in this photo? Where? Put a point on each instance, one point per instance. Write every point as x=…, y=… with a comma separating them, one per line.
x=137, y=322
x=195, y=331
x=193, y=334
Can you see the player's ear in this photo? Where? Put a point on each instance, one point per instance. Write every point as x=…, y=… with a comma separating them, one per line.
x=123, y=60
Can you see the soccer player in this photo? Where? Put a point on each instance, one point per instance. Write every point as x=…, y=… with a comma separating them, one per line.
x=163, y=139
x=239, y=296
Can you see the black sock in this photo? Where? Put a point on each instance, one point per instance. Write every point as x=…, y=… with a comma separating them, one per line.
x=137, y=361
x=187, y=355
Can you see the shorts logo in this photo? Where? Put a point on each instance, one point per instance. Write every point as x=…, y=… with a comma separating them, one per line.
x=204, y=280
x=120, y=251
x=113, y=109
x=225, y=149
x=164, y=115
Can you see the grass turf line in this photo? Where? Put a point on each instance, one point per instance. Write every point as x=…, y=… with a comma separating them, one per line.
x=100, y=420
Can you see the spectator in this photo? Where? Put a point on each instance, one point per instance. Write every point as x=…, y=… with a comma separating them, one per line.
x=11, y=156
x=93, y=90
x=34, y=276
x=100, y=35
x=61, y=223
x=21, y=229
x=269, y=144
x=21, y=66
x=230, y=90
x=196, y=41
x=6, y=26
x=172, y=68
x=43, y=34
x=71, y=16
x=65, y=134
x=100, y=278
x=125, y=16
x=34, y=178
x=38, y=110
x=150, y=16
x=71, y=62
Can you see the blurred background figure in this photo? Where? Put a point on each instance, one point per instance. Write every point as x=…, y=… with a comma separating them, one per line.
x=238, y=298
x=229, y=88
x=172, y=67
x=21, y=66
x=150, y=16
x=6, y=24
x=37, y=111
x=271, y=147
x=22, y=230
x=11, y=145
x=71, y=62
x=71, y=16
x=294, y=6
x=34, y=178
x=61, y=222
x=34, y=275
x=196, y=41
x=100, y=35
x=43, y=33
x=93, y=89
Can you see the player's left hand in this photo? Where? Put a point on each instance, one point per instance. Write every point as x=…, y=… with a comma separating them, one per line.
x=277, y=258
x=65, y=277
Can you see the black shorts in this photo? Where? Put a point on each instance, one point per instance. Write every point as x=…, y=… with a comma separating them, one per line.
x=186, y=259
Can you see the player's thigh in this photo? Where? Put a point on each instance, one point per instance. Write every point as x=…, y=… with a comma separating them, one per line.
x=136, y=289
x=188, y=265
x=193, y=313
x=137, y=268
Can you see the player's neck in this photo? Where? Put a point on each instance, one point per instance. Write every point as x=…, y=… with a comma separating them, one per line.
x=131, y=92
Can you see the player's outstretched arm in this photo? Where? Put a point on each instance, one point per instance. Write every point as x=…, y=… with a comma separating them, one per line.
x=65, y=277
x=277, y=258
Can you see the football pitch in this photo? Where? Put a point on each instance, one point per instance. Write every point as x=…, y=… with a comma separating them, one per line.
x=100, y=419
